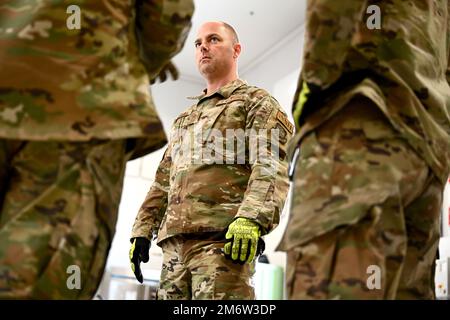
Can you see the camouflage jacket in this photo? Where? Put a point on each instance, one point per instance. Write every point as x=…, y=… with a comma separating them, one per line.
x=93, y=82
x=210, y=173
x=403, y=67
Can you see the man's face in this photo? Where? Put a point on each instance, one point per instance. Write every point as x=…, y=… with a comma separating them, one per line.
x=215, y=50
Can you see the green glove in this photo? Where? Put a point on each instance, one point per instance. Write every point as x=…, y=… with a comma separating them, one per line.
x=244, y=235
x=139, y=252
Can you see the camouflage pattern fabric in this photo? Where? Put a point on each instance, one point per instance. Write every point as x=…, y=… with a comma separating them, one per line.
x=203, y=187
x=368, y=179
x=402, y=67
x=195, y=269
x=70, y=99
x=59, y=210
x=77, y=84
x=362, y=198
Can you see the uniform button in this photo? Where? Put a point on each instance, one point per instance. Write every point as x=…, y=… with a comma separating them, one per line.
x=177, y=200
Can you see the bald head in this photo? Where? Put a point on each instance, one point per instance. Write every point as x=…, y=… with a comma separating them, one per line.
x=232, y=32
x=222, y=25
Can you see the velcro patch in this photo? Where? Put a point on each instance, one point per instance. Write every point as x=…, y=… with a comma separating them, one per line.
x=285, y=121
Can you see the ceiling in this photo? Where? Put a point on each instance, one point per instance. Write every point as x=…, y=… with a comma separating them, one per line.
x=260, y=24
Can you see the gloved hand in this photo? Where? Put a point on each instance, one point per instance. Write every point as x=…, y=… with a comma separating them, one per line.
x=244, y=235
x=139, y=252
x=168, y=68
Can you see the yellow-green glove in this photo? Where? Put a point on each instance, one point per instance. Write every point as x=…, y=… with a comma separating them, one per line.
x=244, y=235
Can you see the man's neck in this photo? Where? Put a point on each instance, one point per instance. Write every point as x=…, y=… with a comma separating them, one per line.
x=215, y=84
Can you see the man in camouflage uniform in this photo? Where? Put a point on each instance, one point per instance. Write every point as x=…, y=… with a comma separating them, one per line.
x=209, y=191
x=373, y=151
x=74, y=107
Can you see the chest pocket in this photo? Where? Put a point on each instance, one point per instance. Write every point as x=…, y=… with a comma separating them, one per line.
x=180, y=141
x=229, y=114
x=182, y=124
x=186, y=119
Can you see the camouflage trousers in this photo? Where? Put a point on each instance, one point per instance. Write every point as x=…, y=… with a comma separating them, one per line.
x=58, y=210
x=194, y=268
x=365, y=214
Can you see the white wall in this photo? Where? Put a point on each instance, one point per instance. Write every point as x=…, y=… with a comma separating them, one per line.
x=446, y=211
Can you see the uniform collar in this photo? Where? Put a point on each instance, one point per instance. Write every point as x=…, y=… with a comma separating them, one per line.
x=225, y=91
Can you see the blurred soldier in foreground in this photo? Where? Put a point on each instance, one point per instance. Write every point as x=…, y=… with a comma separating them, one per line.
x=212, y=200
x=372, y=152
x=74, y=107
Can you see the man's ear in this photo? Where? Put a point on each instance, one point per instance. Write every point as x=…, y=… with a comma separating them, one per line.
x=237, y=50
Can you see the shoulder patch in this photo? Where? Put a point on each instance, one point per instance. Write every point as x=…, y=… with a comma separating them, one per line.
x=285, y=121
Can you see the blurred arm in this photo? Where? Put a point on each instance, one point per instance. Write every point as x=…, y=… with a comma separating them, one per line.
x=268, y=183
x=162, y=27
x=153, y=208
